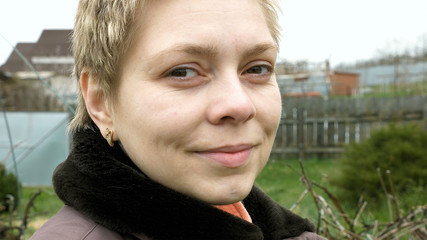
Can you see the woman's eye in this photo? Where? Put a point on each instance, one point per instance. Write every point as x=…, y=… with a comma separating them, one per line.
x=182, y=73
x=258, y=70
x=184, y=76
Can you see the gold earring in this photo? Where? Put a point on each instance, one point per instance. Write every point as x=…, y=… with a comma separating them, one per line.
x=109, y=137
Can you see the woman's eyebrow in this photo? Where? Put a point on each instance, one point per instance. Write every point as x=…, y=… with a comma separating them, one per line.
x=186, y=48
x=209, y=51
x=259, y=49
x=180, y=48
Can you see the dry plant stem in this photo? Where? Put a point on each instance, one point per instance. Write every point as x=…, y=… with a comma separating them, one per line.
x=299, y=200
x=390, y=212
x=303, y=194
x=352, y=234
x=413, y=231
x=396, y=204
x=336, y=202
x=395, y=229
x=404, y=228
x=11, y=206
x=403, y=222
x=21, y=228
x=410, y=216
x=359, y=213
x=421, y=233
x=27, y=209
x=310, y=189
x=375, y=229
x=316, y=201
x=330, y=213
x=326, y=232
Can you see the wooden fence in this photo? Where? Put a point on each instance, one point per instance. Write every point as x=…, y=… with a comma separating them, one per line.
x=316, y=127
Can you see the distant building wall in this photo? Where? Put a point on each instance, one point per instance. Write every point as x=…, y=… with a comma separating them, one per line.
x=319, y=84
x=391, y=74
x=344, y=84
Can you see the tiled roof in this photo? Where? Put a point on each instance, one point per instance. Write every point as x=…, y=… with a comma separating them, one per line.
x=14, y=63
x=54, y=43
x=44, y=54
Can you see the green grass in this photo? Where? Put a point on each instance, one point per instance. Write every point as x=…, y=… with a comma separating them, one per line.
x=282, y=183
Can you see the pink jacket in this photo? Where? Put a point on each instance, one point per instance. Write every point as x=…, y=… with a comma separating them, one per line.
x=68, y=224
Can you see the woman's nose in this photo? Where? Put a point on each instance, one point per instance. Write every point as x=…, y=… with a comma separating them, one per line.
x=230, y=103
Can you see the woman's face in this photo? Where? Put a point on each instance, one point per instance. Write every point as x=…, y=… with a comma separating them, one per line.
x=198, y=104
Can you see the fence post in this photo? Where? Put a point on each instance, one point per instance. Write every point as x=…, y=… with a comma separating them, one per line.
x=322, y=133
x=300, y=132
x=425, y=116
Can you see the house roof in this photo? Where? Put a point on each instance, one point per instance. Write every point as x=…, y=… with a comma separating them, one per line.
x=54, y=43
x=52, y=52
x=14, y=63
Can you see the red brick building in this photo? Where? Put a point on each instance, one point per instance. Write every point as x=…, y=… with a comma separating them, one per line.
x=344, y=83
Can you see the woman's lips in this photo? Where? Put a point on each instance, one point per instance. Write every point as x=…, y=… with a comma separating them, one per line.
x=229, y=156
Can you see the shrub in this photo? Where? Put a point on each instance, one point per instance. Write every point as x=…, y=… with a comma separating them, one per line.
x=402, y=149
x=7, y=186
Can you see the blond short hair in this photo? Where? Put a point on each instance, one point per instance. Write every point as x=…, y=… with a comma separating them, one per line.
x=103, y=33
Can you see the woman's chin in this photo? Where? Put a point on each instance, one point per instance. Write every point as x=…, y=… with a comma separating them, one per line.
x=226, y=196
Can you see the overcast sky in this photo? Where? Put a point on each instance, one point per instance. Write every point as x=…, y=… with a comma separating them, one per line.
x=314, y=30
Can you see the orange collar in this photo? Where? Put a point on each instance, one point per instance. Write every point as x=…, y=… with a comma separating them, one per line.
x=237, y=209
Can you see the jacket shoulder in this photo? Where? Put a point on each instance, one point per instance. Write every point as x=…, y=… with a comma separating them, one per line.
x=69, y=224
x=307, y=236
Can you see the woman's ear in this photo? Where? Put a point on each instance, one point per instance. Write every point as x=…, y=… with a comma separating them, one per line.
x=95, y=102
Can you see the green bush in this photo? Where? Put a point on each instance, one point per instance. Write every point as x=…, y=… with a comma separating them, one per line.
x=402, y=149
x=7, y=186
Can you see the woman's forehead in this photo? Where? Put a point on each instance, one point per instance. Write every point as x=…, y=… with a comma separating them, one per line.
x=200, y=28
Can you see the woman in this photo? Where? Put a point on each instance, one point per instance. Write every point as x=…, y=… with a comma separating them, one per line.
x=177, y=116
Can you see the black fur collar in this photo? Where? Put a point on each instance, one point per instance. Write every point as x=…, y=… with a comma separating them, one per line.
x=104, y=184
